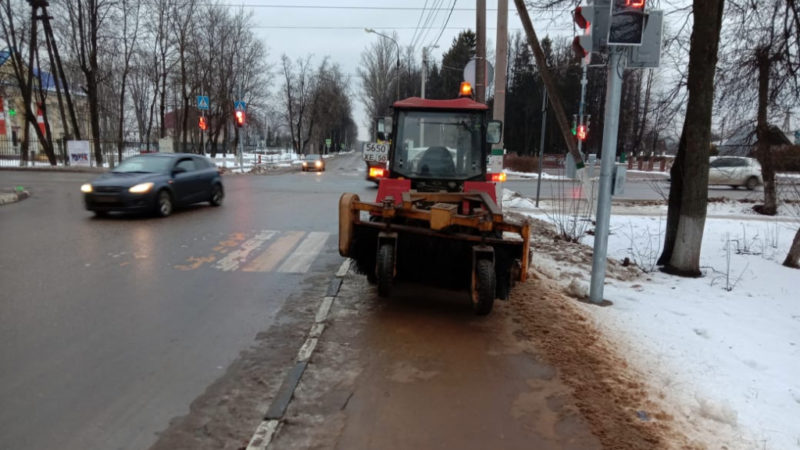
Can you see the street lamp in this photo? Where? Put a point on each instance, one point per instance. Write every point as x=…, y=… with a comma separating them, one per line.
x=370, y=30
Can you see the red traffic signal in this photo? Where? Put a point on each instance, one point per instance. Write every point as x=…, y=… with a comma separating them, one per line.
x=202, y=123
x=582, y=19
x=582, y=132
x=239, y=118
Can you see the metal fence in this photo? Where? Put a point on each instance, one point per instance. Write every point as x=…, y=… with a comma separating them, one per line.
x=11, y=152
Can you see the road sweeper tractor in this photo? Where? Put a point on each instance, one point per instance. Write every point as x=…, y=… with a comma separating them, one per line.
x=436, y=218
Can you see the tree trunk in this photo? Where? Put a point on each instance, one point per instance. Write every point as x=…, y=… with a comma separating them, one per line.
x=689, y=189
x=793, y=258
x=763, y=151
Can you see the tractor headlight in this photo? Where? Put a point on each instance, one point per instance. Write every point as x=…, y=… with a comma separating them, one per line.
x=141, y=188
x=86, y=188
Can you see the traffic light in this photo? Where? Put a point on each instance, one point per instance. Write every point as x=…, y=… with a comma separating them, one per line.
x=584, y=17
x=582, y=132
x=202, y=123
x=627, y=22
x=239, y=118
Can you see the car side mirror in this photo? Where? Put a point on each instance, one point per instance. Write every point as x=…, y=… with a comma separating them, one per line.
x=494, y=131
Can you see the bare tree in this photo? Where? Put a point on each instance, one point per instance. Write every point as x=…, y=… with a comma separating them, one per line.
x=86, y=20
x=298, y=98
x=762, y=64
x=129, y=11
x=377, y=73
x=688, y=196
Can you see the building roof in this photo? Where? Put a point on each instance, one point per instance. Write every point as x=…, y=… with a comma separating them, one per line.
x=743, y=141
x=424, y=103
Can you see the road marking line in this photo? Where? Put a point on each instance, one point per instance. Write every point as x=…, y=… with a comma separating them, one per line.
x=306, y=252
x=263, y=435
x=307, y=349
x=234, y=259
x=322, y=313
x=274, y=254
x=344, y=268
x=316, y=330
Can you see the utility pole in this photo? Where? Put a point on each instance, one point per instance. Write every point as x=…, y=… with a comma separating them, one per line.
x=424, y=70
x=541, y=142
x=480, y=56
x=616, y=66
x=501, y=56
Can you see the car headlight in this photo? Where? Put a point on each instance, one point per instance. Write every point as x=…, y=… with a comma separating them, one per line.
x=141, y=188
x=86, y=188
x=305, y=163
x=318, y=163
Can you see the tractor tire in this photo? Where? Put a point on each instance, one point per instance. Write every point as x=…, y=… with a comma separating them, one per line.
x=384, y=269
x=483, y=289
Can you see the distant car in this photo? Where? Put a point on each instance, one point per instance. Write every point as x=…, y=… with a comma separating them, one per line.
x=156, y=182
x=735, y=171
x=313, y=162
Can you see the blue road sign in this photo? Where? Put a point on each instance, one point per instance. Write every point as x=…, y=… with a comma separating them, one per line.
x=202, y=102
x=240, y=105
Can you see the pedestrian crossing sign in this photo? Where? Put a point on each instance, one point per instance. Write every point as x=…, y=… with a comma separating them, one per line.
x=202, y=102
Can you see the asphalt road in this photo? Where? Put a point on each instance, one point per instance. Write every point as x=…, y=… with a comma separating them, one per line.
x=111, y=327
x=128, y=332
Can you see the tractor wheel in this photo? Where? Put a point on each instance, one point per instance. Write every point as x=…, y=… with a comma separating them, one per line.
x=384, y=269
x=483, y=287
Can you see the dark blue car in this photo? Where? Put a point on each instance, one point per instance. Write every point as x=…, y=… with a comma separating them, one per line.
x=156, y=182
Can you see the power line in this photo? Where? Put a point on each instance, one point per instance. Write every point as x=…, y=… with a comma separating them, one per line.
x=419, y=21
x=445, y=25
x=375, y=8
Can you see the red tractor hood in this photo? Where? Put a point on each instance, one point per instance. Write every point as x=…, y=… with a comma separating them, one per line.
x=462, y=103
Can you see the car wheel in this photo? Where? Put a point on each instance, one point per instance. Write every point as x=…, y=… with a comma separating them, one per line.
x=751, y=183
x=733, y=186
x=217, y=195
x=164, y=203
x=100, y=213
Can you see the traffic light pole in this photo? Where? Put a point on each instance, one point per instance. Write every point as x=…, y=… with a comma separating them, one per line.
x=616, y=67
x=584, y=81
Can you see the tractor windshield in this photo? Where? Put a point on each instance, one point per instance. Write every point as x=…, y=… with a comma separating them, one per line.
x=438, y=145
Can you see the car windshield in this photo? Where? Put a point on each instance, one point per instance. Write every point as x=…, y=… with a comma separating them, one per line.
x=313, y=157
x=442, y=145
x=144, y=164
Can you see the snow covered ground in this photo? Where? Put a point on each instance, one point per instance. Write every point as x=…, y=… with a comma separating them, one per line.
x=726, y=346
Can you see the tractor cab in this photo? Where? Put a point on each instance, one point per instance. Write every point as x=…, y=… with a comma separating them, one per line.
x=440, y=144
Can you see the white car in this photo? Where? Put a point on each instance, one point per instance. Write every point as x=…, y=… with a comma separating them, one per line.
x=735, y=171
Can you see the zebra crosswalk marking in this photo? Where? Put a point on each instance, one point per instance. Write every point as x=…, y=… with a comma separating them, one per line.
x=237, y=257
x=307, y=251
x=274, y=254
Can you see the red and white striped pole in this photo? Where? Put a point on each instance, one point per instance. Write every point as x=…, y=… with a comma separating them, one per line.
x=40, y=119
x=3, y=131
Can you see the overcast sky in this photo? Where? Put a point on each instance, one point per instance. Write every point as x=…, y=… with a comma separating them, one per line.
x=336, y=29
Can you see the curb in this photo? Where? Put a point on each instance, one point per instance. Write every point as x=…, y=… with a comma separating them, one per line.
x=13, y=197
x=268, y=429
